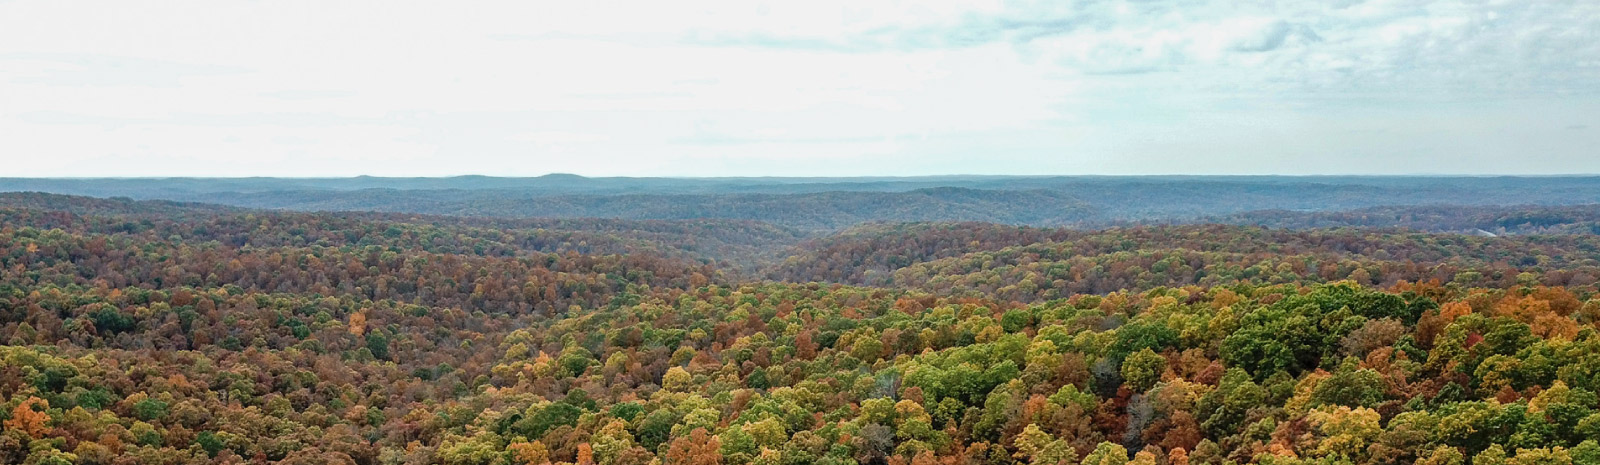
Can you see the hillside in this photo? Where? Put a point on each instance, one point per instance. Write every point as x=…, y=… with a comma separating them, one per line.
x=148, y=332
x=814, y=211
x=1522, y=219
x=736, y=243
x=828, y=204
x=1052, y=263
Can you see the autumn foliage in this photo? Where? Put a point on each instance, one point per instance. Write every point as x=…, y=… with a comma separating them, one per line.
x=231, y=337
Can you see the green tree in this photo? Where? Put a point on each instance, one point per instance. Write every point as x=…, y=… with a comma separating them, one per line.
x=1142, y=369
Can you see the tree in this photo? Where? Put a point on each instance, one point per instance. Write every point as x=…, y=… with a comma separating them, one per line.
x=677, y=379
x=611, y=441
x=1372, y=335
x=29, y=417
x=1586, y=453
x=1106, y=453
x=529, y=453
x=1493, y=455
x=1143, y=369
x=698, y=448
x=1541, y=456
x=1039, y=447
x=585, y=454
x=1443, y=455
x=1346, y=432
x=1350, y=386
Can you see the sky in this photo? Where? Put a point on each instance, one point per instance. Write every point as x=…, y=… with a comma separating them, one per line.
x=813, y=88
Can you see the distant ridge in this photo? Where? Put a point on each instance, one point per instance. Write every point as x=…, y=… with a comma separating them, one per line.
x=832, y=203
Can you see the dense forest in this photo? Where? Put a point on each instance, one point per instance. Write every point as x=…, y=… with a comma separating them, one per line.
x=820, y=205
x=169, y=332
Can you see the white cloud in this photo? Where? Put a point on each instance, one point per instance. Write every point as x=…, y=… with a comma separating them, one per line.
x=734, y=87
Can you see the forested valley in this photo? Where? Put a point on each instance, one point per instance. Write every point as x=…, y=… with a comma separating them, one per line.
x=167, y=332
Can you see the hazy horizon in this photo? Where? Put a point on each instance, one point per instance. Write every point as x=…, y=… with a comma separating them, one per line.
x=847, y=177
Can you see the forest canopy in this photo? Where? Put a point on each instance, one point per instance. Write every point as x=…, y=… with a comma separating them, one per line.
x=158, y=332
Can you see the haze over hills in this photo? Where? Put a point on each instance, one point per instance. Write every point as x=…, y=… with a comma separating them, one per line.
x=764, y=234
x=833, y=203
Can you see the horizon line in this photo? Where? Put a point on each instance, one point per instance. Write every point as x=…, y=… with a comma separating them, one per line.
x=922, y=176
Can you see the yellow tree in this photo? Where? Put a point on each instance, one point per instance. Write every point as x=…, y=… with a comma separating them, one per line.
x=1346, y=432
x=1107, y=453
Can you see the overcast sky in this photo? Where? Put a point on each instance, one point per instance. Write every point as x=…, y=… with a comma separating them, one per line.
x=334, y=88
